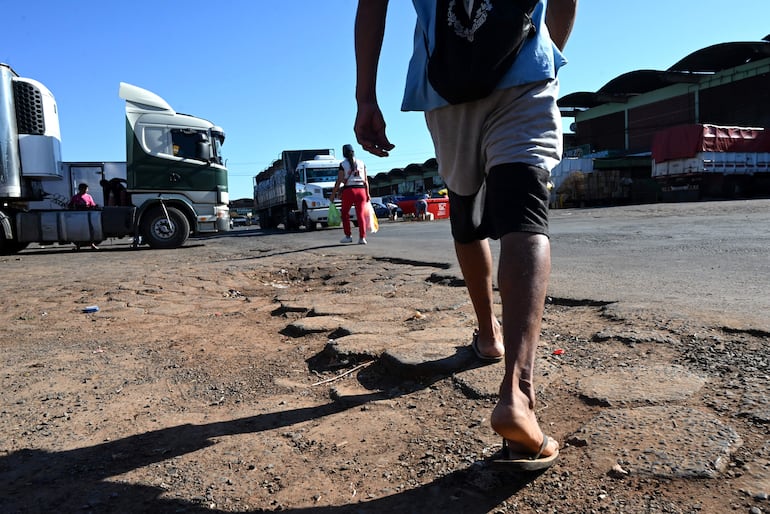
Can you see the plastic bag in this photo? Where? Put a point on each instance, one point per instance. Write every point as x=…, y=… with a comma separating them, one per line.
x=372, y=224
x=333, y=218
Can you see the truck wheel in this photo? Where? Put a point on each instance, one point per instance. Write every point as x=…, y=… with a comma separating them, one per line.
x=10, y=247
x=309, y=224
x=264, y=220
x=290, y=221
x=159, y=233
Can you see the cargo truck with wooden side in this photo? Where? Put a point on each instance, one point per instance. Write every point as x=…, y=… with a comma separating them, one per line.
x=294, y=190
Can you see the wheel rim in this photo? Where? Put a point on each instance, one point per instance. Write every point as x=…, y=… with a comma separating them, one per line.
x=163, y=228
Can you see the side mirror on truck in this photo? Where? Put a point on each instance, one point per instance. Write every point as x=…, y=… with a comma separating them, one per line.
x=203, y=151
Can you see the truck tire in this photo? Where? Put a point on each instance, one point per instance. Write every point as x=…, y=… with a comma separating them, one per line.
x=264, y=220
x=310, y=225
x=157, y=231
x=10, y=247
x=290, y=221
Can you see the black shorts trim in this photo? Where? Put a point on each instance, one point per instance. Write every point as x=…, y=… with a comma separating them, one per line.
x=513, y=198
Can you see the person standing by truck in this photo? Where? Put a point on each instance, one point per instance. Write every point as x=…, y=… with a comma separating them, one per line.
x=82, y=199
x=494, y=148
x=355, y=193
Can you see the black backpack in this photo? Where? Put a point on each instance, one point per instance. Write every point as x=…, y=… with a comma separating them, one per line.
x=472, y=53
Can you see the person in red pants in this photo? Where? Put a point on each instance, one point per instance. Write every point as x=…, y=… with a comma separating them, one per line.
x=355, y=192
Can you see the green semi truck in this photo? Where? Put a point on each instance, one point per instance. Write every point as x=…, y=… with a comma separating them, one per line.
x=172, y=185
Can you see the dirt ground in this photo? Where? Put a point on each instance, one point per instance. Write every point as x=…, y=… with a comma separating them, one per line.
x=187, y=392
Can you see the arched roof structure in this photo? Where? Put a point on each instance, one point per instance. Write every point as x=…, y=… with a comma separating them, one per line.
x=690, y=69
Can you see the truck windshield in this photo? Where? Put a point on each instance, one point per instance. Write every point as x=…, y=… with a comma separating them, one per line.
x=321, y=174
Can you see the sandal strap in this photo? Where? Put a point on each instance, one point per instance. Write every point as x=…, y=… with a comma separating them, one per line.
x=543, y=446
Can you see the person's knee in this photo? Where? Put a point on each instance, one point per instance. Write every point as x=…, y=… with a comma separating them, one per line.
x=531, y=242
x=524, y=256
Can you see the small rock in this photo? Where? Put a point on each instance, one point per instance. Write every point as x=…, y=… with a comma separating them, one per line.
x=617, y=471
x=577, y=442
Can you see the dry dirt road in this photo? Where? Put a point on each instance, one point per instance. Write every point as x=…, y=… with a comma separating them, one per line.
x=206, y=382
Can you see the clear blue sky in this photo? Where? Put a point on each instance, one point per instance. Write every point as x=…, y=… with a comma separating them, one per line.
x=280, y=75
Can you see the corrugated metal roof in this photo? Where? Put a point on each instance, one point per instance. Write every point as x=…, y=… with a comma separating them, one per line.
x=723, y=56
x=644, y=81
x=690, y=69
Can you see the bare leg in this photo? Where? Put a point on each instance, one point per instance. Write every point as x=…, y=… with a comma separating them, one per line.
x=475, y=261
x=525, y=264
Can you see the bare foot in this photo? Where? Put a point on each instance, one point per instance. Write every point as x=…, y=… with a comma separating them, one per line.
x=517, y=423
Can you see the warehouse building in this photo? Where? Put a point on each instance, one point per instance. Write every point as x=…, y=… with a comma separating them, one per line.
x=719, y=91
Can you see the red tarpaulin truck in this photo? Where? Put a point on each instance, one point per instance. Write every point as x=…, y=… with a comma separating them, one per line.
x=698, y=160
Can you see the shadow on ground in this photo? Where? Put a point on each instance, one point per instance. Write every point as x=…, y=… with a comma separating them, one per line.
x=79, y=480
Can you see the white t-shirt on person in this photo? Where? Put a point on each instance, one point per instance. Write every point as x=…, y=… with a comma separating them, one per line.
x=354, y=178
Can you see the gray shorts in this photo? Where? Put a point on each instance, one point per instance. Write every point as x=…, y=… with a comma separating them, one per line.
x=519, y=124
x=495, y=156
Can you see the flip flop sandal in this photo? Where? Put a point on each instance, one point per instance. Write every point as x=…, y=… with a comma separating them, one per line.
x=481, y=356
x=521, y=462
